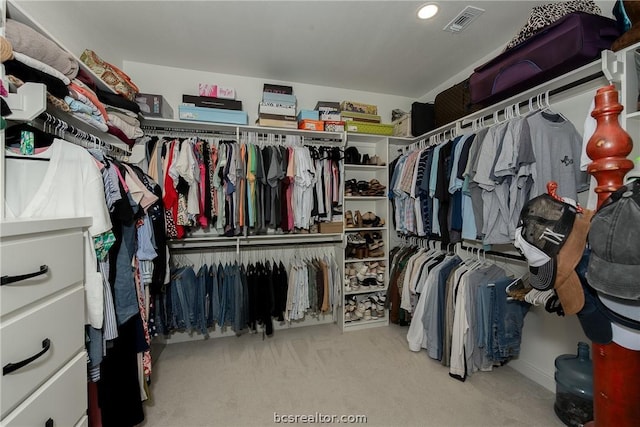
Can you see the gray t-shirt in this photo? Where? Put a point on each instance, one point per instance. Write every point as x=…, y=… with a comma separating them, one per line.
x=556, y=146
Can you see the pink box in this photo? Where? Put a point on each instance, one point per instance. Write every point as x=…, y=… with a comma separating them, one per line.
x=216, y=91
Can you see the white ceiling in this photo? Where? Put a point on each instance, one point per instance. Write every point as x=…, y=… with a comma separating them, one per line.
x=375, y=46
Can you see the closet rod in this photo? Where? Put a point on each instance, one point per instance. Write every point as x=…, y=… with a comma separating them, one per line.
x=81, y=137
x=160, y=130
x=553, y=92
x=494, y=253
x=467, y=248
x=233, y=244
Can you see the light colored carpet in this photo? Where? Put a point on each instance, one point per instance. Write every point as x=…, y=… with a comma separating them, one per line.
x=242, y=381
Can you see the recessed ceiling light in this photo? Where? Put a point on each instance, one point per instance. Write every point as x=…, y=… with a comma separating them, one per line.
x=428, y=11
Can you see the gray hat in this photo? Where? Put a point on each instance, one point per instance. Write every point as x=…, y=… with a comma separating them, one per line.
x=614, y=265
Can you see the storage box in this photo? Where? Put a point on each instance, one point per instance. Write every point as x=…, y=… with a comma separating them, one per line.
x=154, y=106
x=274, y=108
x=216, y=91
x=332, y=116
x=308, y=115
x=327, y=106
x=204, y=101
x=358, y=107
x=372, y=128
x=277, y=121
x=330, y=227
x=361, y=117
x=402, y=126
x=279, y=98
x=215, y=115
x=311, y=125
x=334, y=126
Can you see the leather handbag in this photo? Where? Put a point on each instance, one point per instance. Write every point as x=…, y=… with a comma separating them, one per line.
x=115, y=78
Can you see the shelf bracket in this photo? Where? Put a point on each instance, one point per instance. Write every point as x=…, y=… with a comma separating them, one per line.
x=612, y=67
x=28, y=102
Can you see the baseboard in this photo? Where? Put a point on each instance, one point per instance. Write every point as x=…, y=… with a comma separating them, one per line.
x=534, y=373
x=179, y=337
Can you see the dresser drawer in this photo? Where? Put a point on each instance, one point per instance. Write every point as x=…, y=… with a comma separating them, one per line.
x=62, y=399
x=63, y=255
x=59, y=320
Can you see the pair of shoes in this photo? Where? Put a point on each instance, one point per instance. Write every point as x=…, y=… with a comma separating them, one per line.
x=355, y=239
x=351, y=187
x=375, y=161
x=369, y=219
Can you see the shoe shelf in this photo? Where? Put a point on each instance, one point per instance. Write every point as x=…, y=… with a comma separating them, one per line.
x=356, y=229
x=367, y=174
x=349, y=260
x=366, y=290
x=364, y=324
x=365, y=168
x=372, y=198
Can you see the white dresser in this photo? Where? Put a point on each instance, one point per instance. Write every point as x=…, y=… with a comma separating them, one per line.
x=44, y=363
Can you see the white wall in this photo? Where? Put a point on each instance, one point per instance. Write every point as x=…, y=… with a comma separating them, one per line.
x=172, y=83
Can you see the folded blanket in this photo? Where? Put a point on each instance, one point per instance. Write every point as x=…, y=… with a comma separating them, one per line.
x=26, y=40
x=121, y=136
x=38, y=65
x=78, y=106
x=90, y=120
x=130, y=131
x=128, y=118
x=84, y=100
x=26, y=73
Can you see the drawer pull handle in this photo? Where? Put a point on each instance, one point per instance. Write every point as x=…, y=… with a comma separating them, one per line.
x=49, y=423
x=12, y=279
x=10, y=367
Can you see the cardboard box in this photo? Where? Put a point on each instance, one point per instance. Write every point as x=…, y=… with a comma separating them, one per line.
x=279, y=98
x=215, y=115
x=317, y=125
x=204, y=101
x=402, y=126
x=361, y=117
x=330, y=227
x=334, y=126
x=269, y=108
x=216, y=91
x=154, y=105
x=371, y=128
x=331, y=116
x=327, y=106
x=308, y=115
x=358, y=107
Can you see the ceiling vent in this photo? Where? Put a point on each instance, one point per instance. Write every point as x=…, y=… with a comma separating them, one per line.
x=464, y=19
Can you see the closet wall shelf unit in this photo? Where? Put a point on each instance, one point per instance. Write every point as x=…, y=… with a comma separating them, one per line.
x=29, y=101
x=42, y=318
x=360, y=297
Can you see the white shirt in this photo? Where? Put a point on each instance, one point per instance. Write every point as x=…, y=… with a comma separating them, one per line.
x=68, y=185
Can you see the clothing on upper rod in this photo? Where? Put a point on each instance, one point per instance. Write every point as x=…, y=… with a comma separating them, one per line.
x=251, y=187
x=475, y=185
